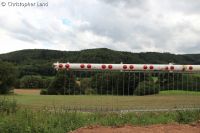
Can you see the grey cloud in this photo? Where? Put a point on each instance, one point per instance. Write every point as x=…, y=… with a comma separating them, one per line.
x=125, y=25
x=126, y=3
x=29, y=33
x=34, y=33
x=138, y=24
x=186, y=6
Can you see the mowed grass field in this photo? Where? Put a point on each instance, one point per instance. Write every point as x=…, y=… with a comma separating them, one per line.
x=164, y=100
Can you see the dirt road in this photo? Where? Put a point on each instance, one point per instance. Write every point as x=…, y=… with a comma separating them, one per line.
x=168, y=128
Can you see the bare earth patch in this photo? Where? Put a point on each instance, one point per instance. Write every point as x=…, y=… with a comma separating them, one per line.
x=168, y=128
x=27, y=91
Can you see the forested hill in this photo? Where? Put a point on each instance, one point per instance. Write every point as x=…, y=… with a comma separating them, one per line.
x=39, y=61
x=101, y=55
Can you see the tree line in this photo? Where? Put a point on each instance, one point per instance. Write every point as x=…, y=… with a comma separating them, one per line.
x=33, y=69
x=120, y=83
x=39, y=62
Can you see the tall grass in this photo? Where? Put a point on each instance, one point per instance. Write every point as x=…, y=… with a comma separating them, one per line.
x=7, y=105
x=59, y=121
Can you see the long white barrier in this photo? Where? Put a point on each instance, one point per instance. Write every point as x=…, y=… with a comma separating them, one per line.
x=126, y=67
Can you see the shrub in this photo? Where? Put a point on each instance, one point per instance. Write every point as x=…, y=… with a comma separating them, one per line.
x=89, y=91
x=64, y=83
x=46, y=82
x=187, y=82
x=31, y=82
x=187, y=116
x=147, y=88
x=44, y=92
x=116, y=83
x=85, y=85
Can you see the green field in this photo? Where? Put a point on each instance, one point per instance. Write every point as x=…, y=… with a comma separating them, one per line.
x=45, y=114
x=164, y=100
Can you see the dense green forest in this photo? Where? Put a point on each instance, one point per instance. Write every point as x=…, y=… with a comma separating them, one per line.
x=34, y=66
x=39, y=62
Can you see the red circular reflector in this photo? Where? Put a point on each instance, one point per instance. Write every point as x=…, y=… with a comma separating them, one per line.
x=125, y=66
x=145, y=67
x=131, y=66
x=151, y=67
x=110, y=66
x=190, y=68
x=89, y=66
x=82, y=65
x=67, y=65
x=60, y=65
x=166, y=68
x=172, y=67
x=103, y=66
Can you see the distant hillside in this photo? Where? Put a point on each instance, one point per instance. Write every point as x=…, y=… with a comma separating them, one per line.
x=39, y=61
x=101, y=55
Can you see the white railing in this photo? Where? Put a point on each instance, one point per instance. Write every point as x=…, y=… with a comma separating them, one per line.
x=129, y=67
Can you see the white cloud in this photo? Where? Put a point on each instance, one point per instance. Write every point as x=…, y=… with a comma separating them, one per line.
x=129, y=25
x=11, y=44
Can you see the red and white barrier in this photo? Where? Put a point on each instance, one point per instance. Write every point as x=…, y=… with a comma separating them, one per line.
x=126, y=67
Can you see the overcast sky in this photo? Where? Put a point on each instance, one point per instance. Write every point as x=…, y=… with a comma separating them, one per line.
x=125, y=25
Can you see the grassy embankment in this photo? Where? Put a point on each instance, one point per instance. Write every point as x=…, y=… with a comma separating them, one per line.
x=18, y=120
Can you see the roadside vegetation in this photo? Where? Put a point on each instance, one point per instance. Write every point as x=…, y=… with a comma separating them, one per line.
x=17, y=120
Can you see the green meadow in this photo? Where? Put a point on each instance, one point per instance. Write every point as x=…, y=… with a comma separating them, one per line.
x=164, y=100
